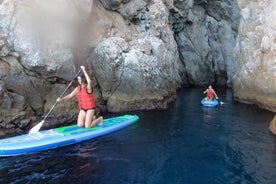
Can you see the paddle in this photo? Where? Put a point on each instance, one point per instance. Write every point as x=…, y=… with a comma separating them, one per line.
x=36, y=128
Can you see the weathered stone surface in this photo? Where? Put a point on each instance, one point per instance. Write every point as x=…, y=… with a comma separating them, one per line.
x=272, y=126
x=38, y=43
x=132, y=79
x=255, y=77
x=2, y=90
x=206, y=32
x=13, y=106
x=43, y=43
x=66, y=108
x=19, y=82
x=130, y=67
x=44, y=33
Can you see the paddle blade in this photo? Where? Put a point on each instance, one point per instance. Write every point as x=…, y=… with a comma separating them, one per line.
x=36, y=128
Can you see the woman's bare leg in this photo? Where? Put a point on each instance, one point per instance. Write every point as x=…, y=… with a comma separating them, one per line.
x=89, y=118
x=81, y=118
x=98, y=121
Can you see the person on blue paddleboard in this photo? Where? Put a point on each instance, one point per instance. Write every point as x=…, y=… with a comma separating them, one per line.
x=210, y=93
x=86, y=101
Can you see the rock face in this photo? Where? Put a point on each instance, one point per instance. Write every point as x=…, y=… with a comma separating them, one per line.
x=36, y=51
x=272, y=126
x=127, y=47
x=206, y=32
x=138, y=52
x=141, y=70
x=255, y=77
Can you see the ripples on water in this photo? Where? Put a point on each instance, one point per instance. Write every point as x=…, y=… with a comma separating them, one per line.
x=184, y=144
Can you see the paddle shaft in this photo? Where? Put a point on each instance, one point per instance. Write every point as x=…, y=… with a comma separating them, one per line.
x=61, y=96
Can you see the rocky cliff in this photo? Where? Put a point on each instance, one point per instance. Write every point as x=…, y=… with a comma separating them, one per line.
x=127, y=47
x=138, y=52
x=255, y=76
x=205, y=32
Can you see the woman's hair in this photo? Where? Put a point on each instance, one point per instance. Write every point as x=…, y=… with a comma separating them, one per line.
x=83, y=79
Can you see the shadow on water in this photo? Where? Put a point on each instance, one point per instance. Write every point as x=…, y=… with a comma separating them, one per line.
x=186, y=143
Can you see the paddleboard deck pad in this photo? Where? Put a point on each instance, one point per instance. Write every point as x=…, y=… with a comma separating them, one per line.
x=57, y=137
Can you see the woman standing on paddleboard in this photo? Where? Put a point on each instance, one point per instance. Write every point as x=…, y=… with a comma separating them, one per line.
x=86, y=102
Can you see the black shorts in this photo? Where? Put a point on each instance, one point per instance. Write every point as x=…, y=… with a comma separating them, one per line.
x=85, y=110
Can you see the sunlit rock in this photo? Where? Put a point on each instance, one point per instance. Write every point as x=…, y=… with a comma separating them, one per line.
x=255, y=77
x=272, y=126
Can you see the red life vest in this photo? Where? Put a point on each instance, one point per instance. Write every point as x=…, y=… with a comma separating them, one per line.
x=210, y=94
x=86, y=100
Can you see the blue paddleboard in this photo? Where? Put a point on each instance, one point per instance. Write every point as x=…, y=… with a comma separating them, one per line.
x=57, y=137
x=209, y=103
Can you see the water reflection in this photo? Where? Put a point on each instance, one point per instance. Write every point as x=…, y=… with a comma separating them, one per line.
x=209, y=114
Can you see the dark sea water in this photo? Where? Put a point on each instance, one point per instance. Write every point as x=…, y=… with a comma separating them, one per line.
x=186, y=144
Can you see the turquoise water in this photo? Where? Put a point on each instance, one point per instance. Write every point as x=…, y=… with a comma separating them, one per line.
x=185, y=144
